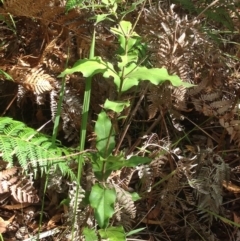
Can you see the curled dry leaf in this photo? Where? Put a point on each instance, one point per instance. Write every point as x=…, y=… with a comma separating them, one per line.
x=4, y=224
x=54, y=219
x=231, y=187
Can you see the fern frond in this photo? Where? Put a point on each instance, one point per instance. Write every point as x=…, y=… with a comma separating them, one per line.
x=72, y=4
x=5, y=174
x=38, y=81
x=24, y=192
x=31, y=148
x=125, y=201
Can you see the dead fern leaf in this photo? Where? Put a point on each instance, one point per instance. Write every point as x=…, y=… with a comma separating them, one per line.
x=6, y=184
x=6, y=174
x=159, y=98
x=7, y=179
x=24, y=192
x=232, y=126
x=125, y=202
x=38, y=81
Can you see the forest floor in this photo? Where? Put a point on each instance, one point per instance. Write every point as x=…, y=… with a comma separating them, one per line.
x=190, y=189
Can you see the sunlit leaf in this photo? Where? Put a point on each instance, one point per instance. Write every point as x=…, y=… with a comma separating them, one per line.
x=113, y=234
x=105, y=135
x=89, y=234
x=116, y=106
x=102, y=200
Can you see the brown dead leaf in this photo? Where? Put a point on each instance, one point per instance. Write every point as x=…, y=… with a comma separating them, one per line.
x=236, y=218
x=191, y=149
x=54, y=219
x=154, y=213
x=16, y=206
x=4, y=224
x=231, y=187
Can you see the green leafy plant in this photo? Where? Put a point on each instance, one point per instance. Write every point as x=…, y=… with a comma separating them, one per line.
x=128, y=73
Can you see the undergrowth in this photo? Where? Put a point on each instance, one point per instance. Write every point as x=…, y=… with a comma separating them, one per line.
x=134, y=87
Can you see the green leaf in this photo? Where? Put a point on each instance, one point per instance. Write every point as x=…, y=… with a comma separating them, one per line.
x=116, y=106
x=100, y=17
x=113, y=234
x=65, y=201
x=124, y=28
x=155, y=75
x=89, y=234
x=99, y=169
x=117, y=162
x=6, y=75
x=135, y=196
x=72, y=4
x=134, y=231
x=126, y=59
x=127, y=39
x=105, y=135
x=88, y=67
x=102, y=200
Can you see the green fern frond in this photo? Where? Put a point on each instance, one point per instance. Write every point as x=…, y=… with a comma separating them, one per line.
x=72, y=4
x=31, y=148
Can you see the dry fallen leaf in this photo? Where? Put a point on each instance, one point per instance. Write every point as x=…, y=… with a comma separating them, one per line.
x=52, y=222
x=231, y=187
x=236, y=218
x=4, y=224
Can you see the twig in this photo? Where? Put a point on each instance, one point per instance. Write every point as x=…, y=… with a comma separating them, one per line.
x=201, y=129
x=43, y=235
x=9, y=105
x=130, y=119
x=204, y=10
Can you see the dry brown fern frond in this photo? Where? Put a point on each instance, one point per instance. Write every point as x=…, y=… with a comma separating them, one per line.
x=157, y=164
x=7, y=179
x=38, y=81
x=160, y=98
x=231, y=123
x=51, y=14
x=123, y=177
x=125, y=203
x=6, y=184
x=172, y=42
x=24, y=192
x=171, y=39
x=71, y=111
x=205, y=174
x=6, y=174
x=33, y=79
x=180, y=45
